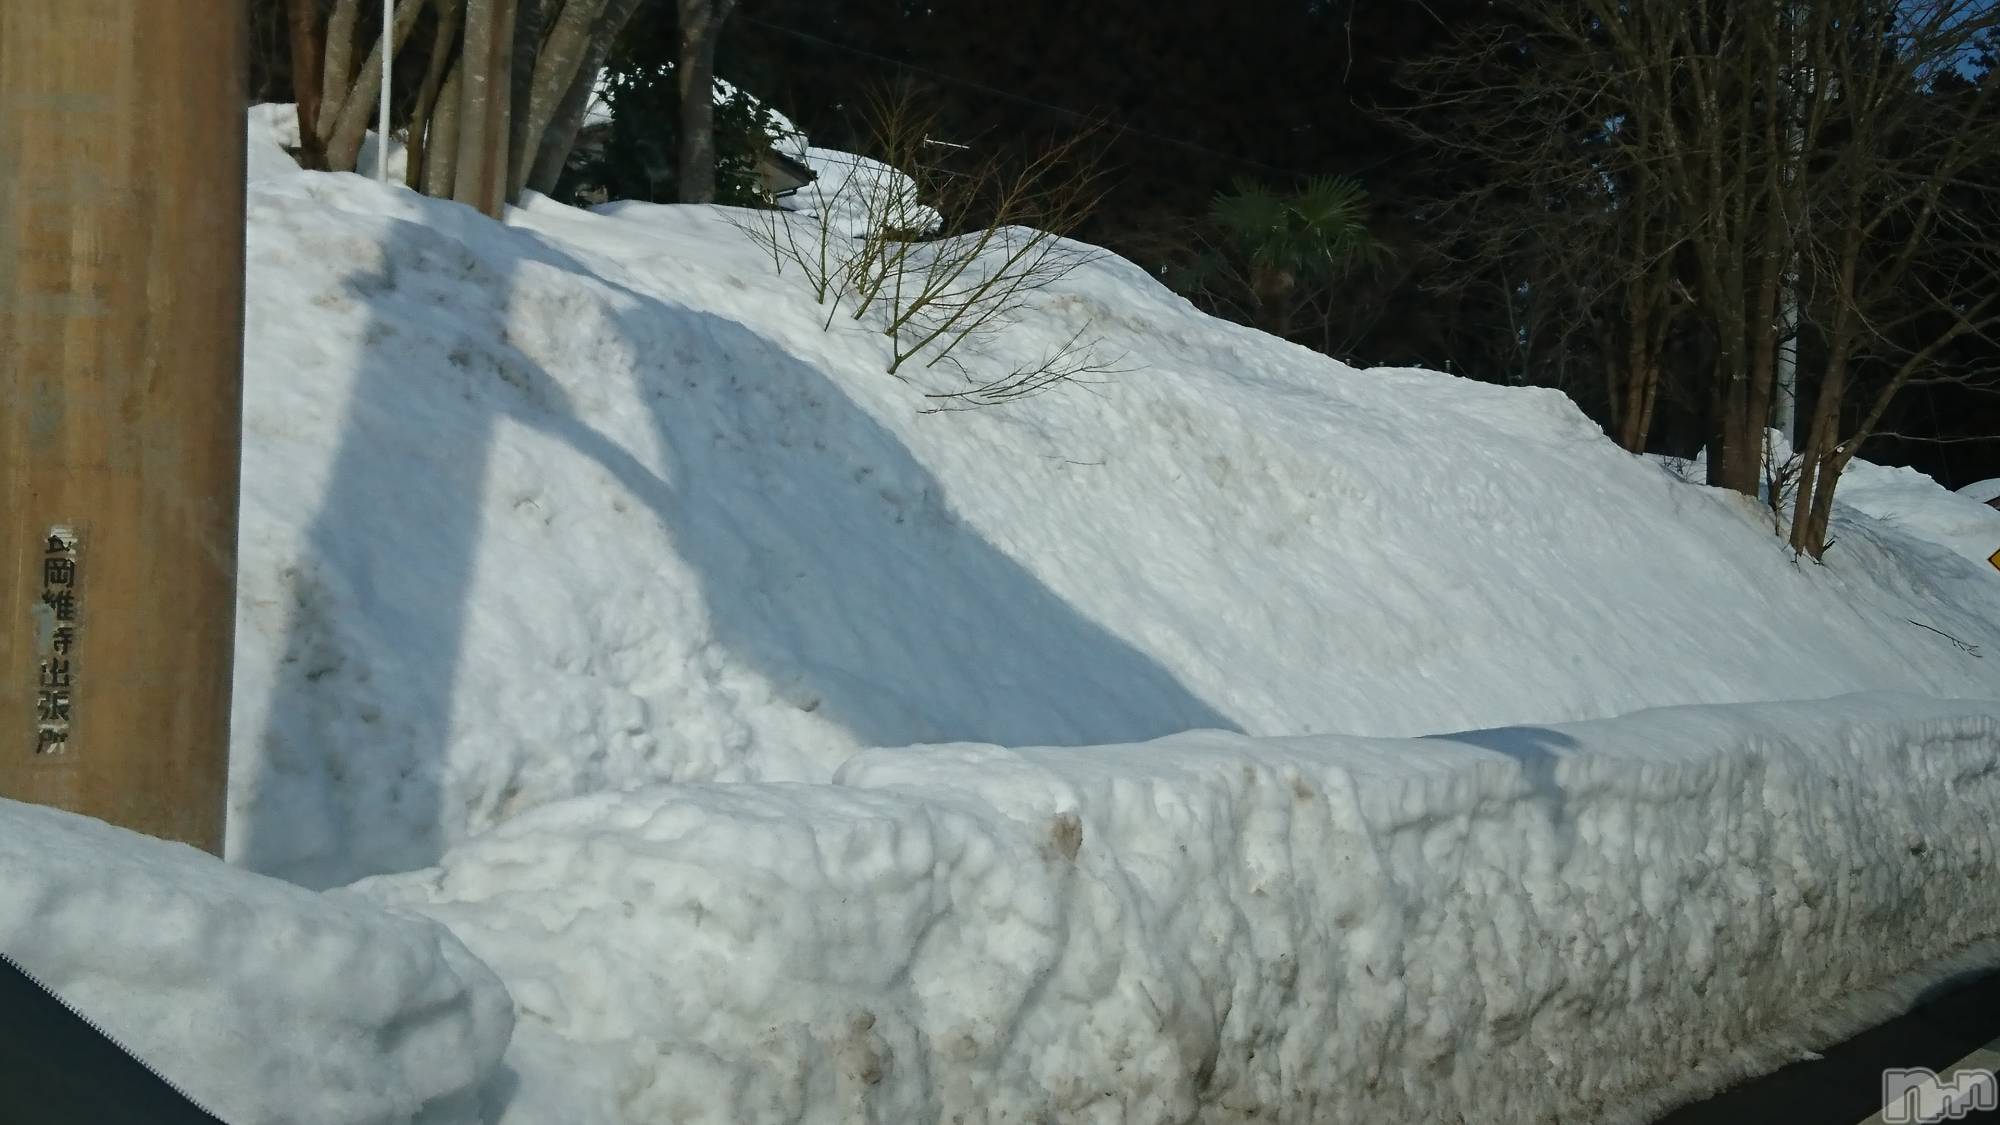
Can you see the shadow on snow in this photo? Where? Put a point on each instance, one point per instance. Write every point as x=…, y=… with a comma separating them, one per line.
x=830, y=560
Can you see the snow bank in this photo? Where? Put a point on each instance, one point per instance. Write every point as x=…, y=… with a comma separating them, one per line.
x=1910, y=514
x=1983, y=491
x=1911, y=502
x=266, y=1003
x=1582, y=922
x=274, y=135
x=590, y=501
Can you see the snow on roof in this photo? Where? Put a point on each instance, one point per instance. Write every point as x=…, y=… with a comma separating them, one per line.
x=266, y=1003
x=849, y=192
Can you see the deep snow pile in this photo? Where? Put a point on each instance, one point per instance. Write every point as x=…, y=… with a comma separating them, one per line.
x=266, y=1003
x=1982, y=491
x=1909, y=501
x=579, y=544
x=590, y=501
x=1571, y=923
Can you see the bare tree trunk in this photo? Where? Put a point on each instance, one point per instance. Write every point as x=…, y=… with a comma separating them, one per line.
x=531, y=24
x=1816, y=485
x=1635, y=413
x=441, y=144
x=1278, y=320
x=1722, y=437
x=338, y=74
x=1645, y=337
x=1766, y=332
x=343, y=146
x=308, y=56
x=555, y=71
x=444, y=48
x=485, y=86
x=558, y=136
x=701, y=26
x=1819, y=524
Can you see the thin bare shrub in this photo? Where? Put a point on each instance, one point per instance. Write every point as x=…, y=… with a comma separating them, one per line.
x=943, y=256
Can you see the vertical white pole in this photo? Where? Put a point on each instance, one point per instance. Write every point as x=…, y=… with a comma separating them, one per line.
x=1786, y=406
x=382, y=107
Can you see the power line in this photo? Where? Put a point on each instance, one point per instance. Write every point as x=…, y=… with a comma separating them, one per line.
x=1021, y=99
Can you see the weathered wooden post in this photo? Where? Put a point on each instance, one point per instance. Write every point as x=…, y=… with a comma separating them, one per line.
x=121, y=312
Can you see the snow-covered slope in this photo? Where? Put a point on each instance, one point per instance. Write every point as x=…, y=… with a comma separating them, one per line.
x=578, y=544
x=589, y=501
x=1569, y=923
x=1909, y=501
x=266, y=1003
x=1982, y=491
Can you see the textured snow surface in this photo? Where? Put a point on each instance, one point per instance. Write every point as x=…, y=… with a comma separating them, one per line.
x=589, y=501
x=268, y=1004
x=1581, y=923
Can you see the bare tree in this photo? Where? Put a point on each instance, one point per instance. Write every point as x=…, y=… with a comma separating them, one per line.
x=504, y=89
x=484, y=105
x=423, y=141
x=1682, y=167
x=554, y=72
x=701, y=27
x=1710, y=93
x=947, y=258
x=1561, y=219
x=308, y=55
x=1901, y=238
x=344, y=123
x=559, y=137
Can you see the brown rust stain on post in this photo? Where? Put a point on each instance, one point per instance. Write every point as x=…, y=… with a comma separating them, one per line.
x=121, y=303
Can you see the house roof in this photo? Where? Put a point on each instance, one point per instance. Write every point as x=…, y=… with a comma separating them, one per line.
x=784, y=173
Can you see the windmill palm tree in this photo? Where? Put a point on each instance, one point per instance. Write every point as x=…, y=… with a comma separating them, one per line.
x=1274, y=244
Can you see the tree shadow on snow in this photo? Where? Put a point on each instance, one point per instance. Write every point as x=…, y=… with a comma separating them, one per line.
x=830, y=559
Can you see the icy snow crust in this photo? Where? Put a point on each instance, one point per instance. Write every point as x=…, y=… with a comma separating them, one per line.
x=1586, y=922
x=589, y=501
x=268, y=1004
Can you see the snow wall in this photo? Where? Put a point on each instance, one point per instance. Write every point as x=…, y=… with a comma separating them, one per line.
x=265, y=1003
x=1579, y=922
